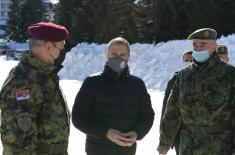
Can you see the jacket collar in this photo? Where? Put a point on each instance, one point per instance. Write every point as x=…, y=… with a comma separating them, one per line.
x=114, y=75
x=40, y=66
x=209, y=64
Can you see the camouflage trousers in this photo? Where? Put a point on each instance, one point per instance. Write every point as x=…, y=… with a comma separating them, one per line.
x=30, y=153
x=9, y=152
x=201, y=143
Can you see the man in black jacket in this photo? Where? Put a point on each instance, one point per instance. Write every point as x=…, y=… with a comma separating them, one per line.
x=113, y=109
x=187, y=59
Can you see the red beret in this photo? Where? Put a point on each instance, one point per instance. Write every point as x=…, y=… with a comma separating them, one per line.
x=48, y=32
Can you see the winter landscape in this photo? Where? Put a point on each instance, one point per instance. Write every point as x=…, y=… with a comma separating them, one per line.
x=155, y=64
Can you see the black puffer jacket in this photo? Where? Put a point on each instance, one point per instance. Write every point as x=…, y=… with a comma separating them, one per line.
x=109, y=101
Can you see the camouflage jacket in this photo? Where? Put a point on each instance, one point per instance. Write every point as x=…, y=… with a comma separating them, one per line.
x=202, y=96
x=33, y=109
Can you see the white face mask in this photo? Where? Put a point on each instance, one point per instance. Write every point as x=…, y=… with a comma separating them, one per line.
x=201, y=56
x=186, y=64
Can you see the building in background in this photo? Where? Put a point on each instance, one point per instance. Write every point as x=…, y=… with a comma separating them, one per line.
x=4, y=9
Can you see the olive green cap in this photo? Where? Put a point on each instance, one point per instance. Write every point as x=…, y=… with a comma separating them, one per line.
x=222, y=49
x=205, y=33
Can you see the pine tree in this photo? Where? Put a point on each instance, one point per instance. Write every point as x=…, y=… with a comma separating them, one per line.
x=225, y=15
x=215, y=14
x=12, y=27
x=98, y=20
x=63, y=11
x=22, y=14
x=201, y=14
x=121, y=21
x=145, y=21
x=176, y=19
x=166, y=18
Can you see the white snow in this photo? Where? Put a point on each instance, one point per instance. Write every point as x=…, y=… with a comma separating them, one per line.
x=3, y=21
x=77, y=139
x=2, y=32
x=19, y=46
x=5, y=67
x=153, y=63
x=146, y=146
x=51, y=1
x=54, y=1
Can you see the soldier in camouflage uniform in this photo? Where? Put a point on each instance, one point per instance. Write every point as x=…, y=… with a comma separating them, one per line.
x=222, y=51
x=203, y=101
x=34, y=114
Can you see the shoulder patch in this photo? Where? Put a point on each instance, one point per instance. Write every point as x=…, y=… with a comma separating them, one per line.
x=22, y=95
x=24, y=123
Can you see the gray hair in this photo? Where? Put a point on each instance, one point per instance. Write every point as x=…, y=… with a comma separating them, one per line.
x=34, y=42
x=119, y=41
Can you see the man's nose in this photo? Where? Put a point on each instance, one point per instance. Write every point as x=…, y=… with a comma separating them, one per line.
x=197, y=48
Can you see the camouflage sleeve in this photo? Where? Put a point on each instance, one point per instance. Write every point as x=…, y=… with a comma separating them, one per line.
x=82, y=112
x=146, y=115
x=233, y=109
x=171, y=120
x=18, y=118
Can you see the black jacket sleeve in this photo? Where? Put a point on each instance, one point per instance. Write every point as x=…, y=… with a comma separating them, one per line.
x=146, y=115
x=169, y=87
x=82, y=112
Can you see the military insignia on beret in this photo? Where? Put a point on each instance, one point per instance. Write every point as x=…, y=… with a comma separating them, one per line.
x=24, y=123
x=22, y=95
x=206, y=33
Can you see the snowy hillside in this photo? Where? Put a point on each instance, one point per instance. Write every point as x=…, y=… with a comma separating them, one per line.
x=155, y=64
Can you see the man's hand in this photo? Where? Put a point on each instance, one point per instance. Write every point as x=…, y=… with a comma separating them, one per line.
x=162, y=150
x=117, y=137
x=130, y=138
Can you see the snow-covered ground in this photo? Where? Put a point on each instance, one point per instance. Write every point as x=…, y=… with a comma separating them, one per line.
x=77, y=139
x=153, y=63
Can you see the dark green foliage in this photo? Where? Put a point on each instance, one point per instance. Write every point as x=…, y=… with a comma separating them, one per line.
x=144, y=21
x=22, y=14
x=97, y=20
x=63, y=13
x=176, y=19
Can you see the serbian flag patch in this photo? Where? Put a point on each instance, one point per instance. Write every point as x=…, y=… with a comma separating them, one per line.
x=22, y=95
